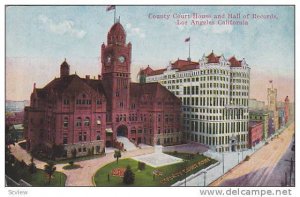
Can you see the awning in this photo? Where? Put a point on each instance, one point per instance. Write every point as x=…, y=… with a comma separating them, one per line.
x=109, y=130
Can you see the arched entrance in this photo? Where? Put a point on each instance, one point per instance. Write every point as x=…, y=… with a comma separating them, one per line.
x=233, y=143
x=122, y=131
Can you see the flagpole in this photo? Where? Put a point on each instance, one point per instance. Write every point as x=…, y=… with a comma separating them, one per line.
x=190, y=49
x=115, y=14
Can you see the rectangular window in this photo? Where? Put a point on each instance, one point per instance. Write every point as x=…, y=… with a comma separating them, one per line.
x=65, y=139
x=66, y=102
x=84, y=136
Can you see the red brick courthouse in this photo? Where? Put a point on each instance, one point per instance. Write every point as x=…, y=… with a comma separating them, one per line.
x=88, y=114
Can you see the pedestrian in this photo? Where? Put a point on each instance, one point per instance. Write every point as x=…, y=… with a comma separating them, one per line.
x=108, y=178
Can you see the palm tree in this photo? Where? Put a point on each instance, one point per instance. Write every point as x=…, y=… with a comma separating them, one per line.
x=49, y=168
x=117, y=155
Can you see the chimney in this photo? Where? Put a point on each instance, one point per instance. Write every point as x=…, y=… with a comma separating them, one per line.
x=34, y=85
x=87, y=76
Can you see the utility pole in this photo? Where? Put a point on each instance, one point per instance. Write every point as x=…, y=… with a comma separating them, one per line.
x=205, y=178
x=291, y=170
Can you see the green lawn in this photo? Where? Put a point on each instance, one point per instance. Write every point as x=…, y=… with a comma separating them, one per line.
x=170, y=173
x=40, y=179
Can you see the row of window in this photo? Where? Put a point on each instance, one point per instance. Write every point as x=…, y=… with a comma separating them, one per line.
x=216, y=127
x=82, y=137
x=82, y=102
x=199, y=72
x=86, y=121
x=213, y=101
x=221, y=140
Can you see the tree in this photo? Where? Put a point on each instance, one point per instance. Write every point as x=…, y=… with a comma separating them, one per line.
x=129, y=176
x=32, y=167
x=9, y=139
x=49, y=168
x=58, y=150
x=74, y=153
x=117, y=155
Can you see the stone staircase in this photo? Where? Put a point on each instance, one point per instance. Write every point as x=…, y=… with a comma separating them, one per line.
x=127, y=144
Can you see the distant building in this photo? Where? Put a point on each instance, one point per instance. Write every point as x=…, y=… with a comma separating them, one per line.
x=271, y=123
x=281, y=117
x=12, y=118
x=17, y=132
x=263, y=116
x=256, y=105
x=255, y=133
x=287, y=108
x=15, y=106
x=272, y=106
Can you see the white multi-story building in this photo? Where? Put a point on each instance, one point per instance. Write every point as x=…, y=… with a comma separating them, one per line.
x=214, y=94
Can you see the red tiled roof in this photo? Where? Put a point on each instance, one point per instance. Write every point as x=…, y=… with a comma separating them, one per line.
x=183, y=65
x=146, y=71
x=212, y=58
x=59, y=85
x=154, y=89
x=157, y=72
x=234, y=62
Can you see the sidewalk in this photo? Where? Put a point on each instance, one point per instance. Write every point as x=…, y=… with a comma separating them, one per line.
x=231, y=160
x=81, y=176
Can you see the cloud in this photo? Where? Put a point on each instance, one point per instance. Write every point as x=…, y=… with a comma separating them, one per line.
x=66, y=27
x=135, y=31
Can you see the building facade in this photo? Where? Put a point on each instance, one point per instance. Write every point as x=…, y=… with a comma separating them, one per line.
x=214, y=93
x=286, y=108
x=256, y=105
x=89, y=114
x=272, y=106
x=255, y=133
x=263, y=116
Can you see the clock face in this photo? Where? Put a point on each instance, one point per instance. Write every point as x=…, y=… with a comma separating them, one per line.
x=122, y=59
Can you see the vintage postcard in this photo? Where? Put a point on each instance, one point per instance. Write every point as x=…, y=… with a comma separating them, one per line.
x=150, y=96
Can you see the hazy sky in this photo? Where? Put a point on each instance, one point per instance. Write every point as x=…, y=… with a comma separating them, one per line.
x=38, y=38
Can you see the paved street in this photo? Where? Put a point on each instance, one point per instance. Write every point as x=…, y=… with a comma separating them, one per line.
x=266, y=167
x=81, y=176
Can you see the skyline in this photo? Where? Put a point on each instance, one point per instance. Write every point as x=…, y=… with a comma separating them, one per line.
x=40, y=37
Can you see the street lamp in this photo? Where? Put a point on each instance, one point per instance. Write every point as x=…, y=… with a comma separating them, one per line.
x=238, y=151
x=223, y=159
x=205, y=177
x=185, y=168
x=242, y=153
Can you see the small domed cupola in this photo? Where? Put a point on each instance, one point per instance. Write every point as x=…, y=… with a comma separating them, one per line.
x=116, y=34
x=64, y=69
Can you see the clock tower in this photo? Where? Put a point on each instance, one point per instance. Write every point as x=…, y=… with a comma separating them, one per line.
x=116, y=60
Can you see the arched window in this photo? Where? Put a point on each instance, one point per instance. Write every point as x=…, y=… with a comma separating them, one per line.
x=98, y=120
x=78, y=122
x=87, y=121
x=98, y=137
x=66, y=122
